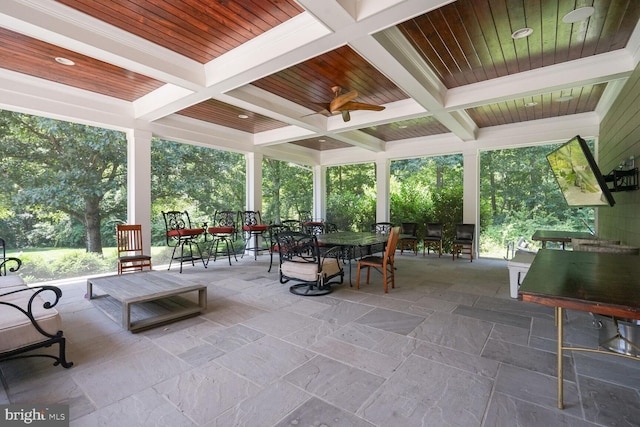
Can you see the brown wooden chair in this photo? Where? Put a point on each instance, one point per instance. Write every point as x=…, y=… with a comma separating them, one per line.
x=433, y=238
x=130, y=252
x=383, y=263
x=463, y=242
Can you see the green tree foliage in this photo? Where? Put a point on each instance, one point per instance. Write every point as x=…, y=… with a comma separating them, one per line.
x=200, y=180
x=286, y=189
x=351, y=196
x=56, y=168
x=428, y=189
x=519, y=195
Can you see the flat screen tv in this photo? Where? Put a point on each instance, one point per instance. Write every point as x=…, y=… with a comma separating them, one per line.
x=580, y=180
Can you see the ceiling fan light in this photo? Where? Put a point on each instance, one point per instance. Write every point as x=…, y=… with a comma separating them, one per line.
x=577, y=15
x=522, y=33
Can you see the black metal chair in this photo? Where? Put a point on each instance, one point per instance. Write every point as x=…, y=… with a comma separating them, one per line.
x=302, y=261
x=292, y=224
x=8, y=263
x=463, y=242
x=310, y=225
x=252, y=230
x=180, y=233
x=274, y=230
x=409, y=238
x=380, y=228
x=223, y=230
x=432, y=238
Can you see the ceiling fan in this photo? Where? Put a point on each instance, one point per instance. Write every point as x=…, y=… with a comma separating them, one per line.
x=343, y=103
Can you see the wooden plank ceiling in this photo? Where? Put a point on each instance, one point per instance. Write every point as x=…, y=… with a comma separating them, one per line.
x=462, y=43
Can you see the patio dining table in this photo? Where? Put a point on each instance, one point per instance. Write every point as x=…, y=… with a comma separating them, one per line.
x=353, y=244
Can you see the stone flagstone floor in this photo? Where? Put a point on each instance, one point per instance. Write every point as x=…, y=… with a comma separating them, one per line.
x=446, y=347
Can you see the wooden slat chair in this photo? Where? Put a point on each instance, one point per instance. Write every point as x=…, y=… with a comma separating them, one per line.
x=129, y=246
x=383, y=263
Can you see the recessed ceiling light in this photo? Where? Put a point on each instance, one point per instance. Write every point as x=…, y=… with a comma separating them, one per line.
x=578, y=15
x=564, y=98
x=243, y=116
x=322, y=140
x=64, y=61
x=531, y=104
x=403, y=126
x=522, y=33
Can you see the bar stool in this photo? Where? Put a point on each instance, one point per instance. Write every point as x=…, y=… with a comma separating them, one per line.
x=252, y=229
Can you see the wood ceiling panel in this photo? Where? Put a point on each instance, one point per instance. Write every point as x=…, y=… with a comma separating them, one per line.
x=585, y=99
x=33, y=57
x=406, y=129
x=201, y=30
x=309, y=83
x=322, y=143
x=468, y=41
x=222, y=114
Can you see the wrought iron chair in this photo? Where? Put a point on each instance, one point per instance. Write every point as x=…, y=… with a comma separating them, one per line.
x=8, y=263
x=252, y=230
x=180, y=233
x=310, y=225
x=223, y=230
x=433, y=238
x=463, y=242
x=301, y=260
x=292, y=224
x=274, y=230
x=381, y=228
x=409, y=239
x=129, y=246
x=383, y=263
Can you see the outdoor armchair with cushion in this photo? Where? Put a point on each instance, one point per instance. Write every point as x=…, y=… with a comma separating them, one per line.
x=302, y=260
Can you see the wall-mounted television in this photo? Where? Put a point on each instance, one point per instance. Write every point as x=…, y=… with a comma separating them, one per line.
x=578, y=176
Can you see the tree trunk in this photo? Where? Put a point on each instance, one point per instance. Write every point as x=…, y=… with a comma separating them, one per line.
x=92, y=221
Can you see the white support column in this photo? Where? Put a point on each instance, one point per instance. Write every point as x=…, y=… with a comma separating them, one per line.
x=383, y=178
x=253, y=186
x=139, y=183
x=320, y=192
x=254, y=181
x=471, y=193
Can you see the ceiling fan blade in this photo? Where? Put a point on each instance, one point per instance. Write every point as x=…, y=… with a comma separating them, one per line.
x=346, y=116
x=340, y=100
x=353, y=106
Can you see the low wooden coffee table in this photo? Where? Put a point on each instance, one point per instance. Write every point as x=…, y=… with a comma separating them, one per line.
x=146, y=299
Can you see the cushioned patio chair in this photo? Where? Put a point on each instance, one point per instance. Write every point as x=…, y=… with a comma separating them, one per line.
x=432, y=238
x=301, y=260
x=463, y=242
